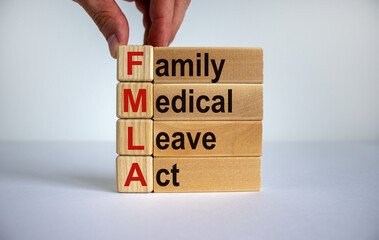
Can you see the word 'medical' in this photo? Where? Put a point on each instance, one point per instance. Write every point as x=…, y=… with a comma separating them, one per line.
x=217, y=103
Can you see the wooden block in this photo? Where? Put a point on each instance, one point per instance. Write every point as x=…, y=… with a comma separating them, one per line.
x=135, y=100
x=207, y=138
x=208, y=102
x=135, y=137
x=208, y=65
x=135, y=63
x=134, y=173
x=207, y=174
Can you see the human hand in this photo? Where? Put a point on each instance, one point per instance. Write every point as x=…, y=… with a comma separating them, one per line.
x=161, y=19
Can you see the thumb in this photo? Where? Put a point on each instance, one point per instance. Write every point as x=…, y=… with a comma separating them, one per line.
x=110, y=21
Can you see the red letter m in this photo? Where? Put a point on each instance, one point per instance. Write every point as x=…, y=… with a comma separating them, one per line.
x=135, y=104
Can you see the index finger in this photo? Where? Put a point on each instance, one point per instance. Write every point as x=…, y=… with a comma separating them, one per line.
x=161, y=13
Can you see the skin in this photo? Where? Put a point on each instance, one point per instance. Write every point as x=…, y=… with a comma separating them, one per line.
x=161, y=19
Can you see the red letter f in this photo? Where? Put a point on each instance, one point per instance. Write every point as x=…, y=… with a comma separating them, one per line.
x=131, y=62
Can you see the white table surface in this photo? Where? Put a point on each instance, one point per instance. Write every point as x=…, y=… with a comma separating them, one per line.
x=64, y=190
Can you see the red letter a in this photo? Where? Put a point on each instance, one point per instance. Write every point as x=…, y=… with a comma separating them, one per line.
x=130, y=141
x=133, y=168
x=131, y=62
x=135, y=104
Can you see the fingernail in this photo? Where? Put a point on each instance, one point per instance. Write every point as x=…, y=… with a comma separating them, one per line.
x=113, y=44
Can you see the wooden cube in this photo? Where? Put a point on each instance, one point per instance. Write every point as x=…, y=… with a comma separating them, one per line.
x=207, y=174
x=134, y=137
x=135, y=100
x=207, y=138
x=134, y=173
x=208, y=102
x=208, y=65
x=135, y=63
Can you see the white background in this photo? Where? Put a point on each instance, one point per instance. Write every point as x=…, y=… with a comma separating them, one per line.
x=309, y=191
x=58, y=81
x=57, y=125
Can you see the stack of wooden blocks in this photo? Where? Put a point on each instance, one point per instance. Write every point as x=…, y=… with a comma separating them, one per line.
x=190, y=119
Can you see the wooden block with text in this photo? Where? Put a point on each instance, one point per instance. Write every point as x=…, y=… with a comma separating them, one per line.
x=207, y=138
x=207, y=174
x=134, y=137
x=135, y=63
x=208, y=102
x=134, y=100
x=134, y=173
x=208, y=65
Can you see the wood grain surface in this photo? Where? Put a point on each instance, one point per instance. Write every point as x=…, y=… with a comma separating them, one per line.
x=208, y=101
x=124, y=169
x=230, y=138
x=143, y=72
x=207, y=174
x=140, y=94
x=134, y=137
x=240, y=65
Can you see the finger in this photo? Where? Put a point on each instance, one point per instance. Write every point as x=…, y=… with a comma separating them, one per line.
x=110, y=21
x=180, y=9
x=144, y=6
x=146, y=35
x=161, y=13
